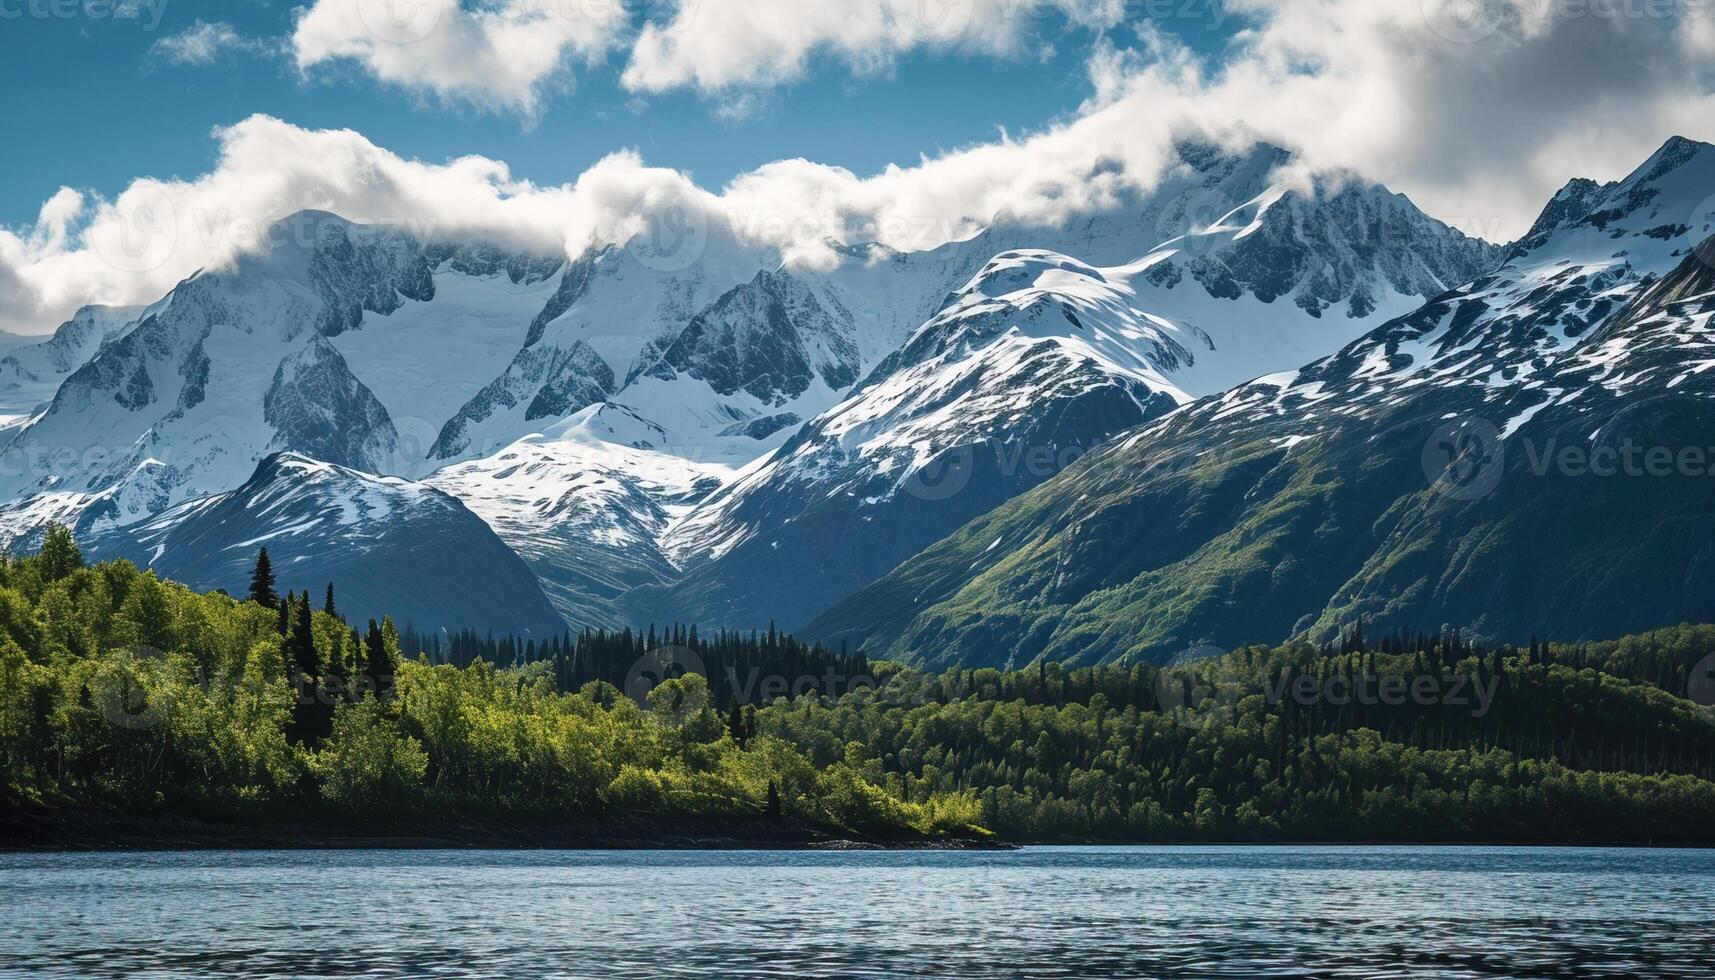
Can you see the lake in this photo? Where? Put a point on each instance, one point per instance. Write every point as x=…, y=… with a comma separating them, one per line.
x=1380, y=912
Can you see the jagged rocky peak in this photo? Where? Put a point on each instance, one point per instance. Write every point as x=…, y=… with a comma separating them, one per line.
x=30, y=374
x=1341, y=243
x=770, y=338
x=1665, y=200
x=1595, y=333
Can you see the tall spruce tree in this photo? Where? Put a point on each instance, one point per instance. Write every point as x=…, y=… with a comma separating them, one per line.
x=302, y=640
x=262, y=581
x=381, y=657
x=328, y=606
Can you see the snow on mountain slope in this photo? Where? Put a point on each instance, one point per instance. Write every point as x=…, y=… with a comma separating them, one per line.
x=1040, y=357
x=33, y=369
x=240, y=362
x=603, y=324
x=1413, y=478
x=587, y=381
x=424, y=361
x=389, y=546
x=1594, y=249
x=585, y=503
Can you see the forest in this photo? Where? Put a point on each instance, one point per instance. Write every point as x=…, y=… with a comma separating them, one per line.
x=126, y=694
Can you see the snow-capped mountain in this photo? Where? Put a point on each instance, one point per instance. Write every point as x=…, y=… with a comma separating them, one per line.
x=389, y=546
x=590, y=410
x=238, y=363
x=586, y=507
x=1417, y=477
x=1037, y=359
x=32, y=369
x=1038, y=354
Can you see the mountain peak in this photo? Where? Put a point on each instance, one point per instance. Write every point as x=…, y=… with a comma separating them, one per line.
x=1675, y=153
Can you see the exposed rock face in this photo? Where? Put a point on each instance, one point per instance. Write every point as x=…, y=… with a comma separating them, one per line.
x=388, y=545
x=1419, y=476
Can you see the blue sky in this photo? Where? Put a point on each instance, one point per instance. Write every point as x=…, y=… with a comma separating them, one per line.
x=885, y=116
x=103, y=107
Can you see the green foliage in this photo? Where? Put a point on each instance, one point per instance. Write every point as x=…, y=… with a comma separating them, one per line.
x=368, y=764
x=121, y=690
x=1511, y=745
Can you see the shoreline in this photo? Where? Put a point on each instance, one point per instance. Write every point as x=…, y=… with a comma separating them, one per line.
x=89, y=831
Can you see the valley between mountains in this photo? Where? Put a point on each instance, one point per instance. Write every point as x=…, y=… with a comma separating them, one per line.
x=1209, y=415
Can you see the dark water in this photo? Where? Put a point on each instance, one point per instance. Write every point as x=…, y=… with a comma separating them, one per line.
x=1041, y=912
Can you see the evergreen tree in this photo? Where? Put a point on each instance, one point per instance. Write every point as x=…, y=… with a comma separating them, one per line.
x=303, y=637
x=328, y=606
x=60, y=555
x=381, y=657
x=262, y=582
x=773, y=811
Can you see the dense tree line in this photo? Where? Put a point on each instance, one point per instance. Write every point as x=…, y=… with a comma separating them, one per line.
x=741, y=668
x=120, y=690
x=1409, y=738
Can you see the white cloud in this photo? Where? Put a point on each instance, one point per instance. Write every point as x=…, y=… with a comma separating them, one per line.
x=717, y=46
x=135, y=248
x=1478, y=109
x=1479, y=131
x=499, y=55
x=204, y=43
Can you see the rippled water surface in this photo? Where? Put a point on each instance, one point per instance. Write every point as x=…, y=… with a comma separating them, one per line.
x=1040, y=912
